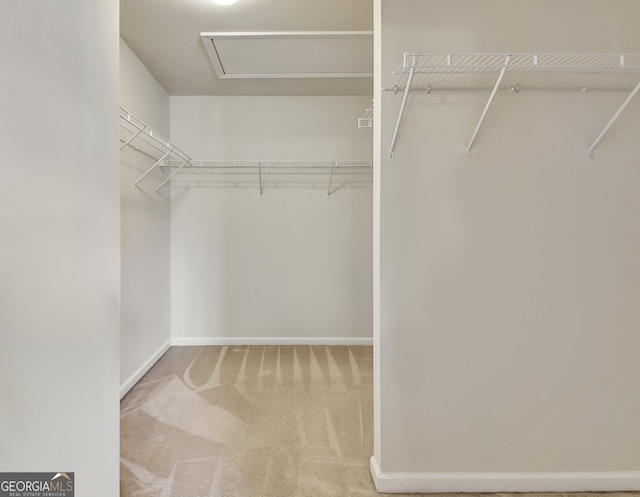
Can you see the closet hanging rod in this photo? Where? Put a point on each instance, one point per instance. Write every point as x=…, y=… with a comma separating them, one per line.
x=139, y=150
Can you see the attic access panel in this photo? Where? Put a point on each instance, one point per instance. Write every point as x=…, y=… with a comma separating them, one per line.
x=293, y=54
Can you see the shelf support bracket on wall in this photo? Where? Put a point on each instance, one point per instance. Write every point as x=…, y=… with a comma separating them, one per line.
x=260, y=176
x=333, y=165
x=152, y=139
x=612, y=120
x=172, y=175
x=152, y=167
x=407, y=89
x=489, y=102
x=133, y=137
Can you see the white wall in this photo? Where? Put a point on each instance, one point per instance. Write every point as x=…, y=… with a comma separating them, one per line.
x=59, y=254
x=145, y=315
x=293, y=263
x=509, y=279
x=141, y=93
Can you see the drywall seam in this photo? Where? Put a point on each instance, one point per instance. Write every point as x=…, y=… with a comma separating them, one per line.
x=588, y=481
x=142, y=370
x=177, y=341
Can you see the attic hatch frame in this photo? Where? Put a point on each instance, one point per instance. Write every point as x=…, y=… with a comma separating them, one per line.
x=175, y=160
x=326, y=38
x=514, y=72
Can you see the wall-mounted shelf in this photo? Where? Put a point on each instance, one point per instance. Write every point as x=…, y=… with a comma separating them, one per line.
x=515, y=72
x=266, y=167
x=142, y=138
x=366, y=121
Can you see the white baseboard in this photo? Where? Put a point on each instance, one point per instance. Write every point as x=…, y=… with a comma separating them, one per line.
x=400, y=482
x=146, y=366
x=270, y=341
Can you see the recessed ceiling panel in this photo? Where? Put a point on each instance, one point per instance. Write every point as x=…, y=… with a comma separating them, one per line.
x=317, y=54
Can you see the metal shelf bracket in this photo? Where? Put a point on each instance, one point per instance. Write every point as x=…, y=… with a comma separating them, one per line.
x=486, y=107
x=153, y=141
x=172, y=175
x=612, y=120
x=133, y=137
x=161, y=159
x=366, y=121
x=405, y=96
x=333, y=165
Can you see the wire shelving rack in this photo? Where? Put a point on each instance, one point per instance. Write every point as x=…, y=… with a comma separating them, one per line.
x=261, y=169
x=515, y=72
x=168, y=157
x=145, y=139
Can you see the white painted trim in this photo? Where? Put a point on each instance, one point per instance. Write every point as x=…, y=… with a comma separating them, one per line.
x=591, y=481
x=142, y=370
x=270, y=341
x=209, y=39
x=377, y=155
x=285, y=34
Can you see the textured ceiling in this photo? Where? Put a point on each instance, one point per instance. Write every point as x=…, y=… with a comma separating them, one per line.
x=165, y=35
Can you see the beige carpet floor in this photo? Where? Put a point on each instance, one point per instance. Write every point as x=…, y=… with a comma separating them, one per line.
x=251, y=421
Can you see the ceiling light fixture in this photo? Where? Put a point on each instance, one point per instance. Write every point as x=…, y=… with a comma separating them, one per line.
x=225, y=2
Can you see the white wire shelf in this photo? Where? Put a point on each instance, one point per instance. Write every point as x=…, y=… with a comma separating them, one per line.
x=274, y=167
x=366, y=121
x=524, y=71
x=264, y=168
x=144, y=139
x=515, y=72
